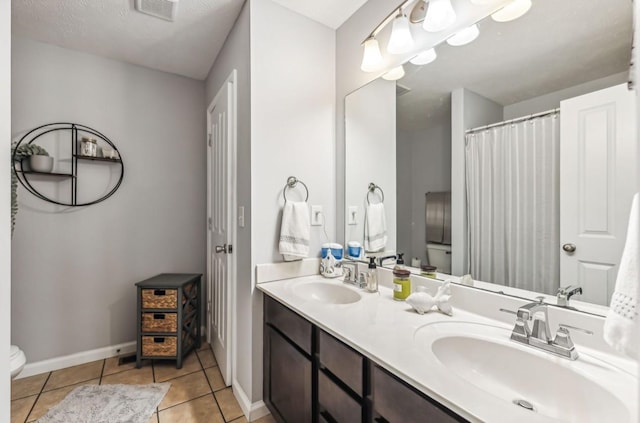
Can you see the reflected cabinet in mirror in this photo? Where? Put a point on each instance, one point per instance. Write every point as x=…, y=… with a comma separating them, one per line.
x=511, y=158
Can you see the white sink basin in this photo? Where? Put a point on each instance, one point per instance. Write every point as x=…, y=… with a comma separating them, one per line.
x=585, y=390
x=326, y=292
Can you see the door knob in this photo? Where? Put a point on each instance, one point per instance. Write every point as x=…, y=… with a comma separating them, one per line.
x=569, y=248
x=221, y=248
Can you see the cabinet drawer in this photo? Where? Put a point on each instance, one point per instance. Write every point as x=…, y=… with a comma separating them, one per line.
x=289, y=323
x=159, y=346
x=342, y=361
x=160, y=322
x=397, y=402
x=337, y=402
x=160, y=298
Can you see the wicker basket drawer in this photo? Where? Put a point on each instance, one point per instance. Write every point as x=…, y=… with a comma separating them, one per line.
x=159, y=298
x=159, y=322
x=159, y=346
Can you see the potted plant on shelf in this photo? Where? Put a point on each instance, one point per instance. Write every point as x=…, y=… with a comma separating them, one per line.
x=39, y=161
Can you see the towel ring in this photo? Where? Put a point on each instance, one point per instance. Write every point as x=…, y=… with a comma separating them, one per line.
x=372, y=188
x=292, y=181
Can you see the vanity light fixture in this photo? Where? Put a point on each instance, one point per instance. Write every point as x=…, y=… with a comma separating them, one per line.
x=401, y=40
x=425, y=57
x=394, y=74
x=464, y=37
x=512, y=11
x=372, y=57
x=440, y=15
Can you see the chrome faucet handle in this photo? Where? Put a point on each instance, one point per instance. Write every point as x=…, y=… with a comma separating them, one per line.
x=346, y=271
x=566, y=292
x=565, y=327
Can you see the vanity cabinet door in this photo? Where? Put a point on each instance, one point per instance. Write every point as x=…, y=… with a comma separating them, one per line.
x=288, y=380
x=342, y=361
x=290, y=324
x=396, y=402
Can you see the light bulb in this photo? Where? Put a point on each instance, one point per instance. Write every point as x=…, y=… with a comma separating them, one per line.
x=464, y=37
x=372, y=57
x=394, y=74
x=512, y=11
x=425, y=57
x=401, y=40
x=440, y=15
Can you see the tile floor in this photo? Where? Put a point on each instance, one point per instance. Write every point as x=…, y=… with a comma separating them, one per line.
x=197, y=393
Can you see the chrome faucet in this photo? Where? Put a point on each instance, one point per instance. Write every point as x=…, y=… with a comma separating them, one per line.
x=564, y=293
x=351, y=274
x=539, y=336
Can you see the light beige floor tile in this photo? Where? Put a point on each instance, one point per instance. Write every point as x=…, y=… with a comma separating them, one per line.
x=28, y=386
x=51, y=398
x=228, y=404
x=199, y=410
x=207, y=358
x=240, y=420
x=185, y=388
x=74, y=375
x=165, y=370
x=130, y=377
x=266, y=419
x=111, y=366
x=204, y=346
x=153, y=418
x=20, y=408
x=215, y=378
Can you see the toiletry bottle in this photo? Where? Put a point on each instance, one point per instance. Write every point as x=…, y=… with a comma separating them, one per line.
x=399, y=262
x=372, y=276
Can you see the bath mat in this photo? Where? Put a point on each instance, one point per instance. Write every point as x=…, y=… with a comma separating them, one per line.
x=108, y=404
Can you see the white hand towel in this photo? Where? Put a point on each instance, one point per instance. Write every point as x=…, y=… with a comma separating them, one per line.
x=295, y=231
x=375, y=228
x=621, y=328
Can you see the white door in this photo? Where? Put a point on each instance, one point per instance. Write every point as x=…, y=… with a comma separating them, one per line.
x=221, y=203
x=597, y=182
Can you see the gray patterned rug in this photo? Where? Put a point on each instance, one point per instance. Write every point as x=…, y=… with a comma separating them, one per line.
x=108, y=404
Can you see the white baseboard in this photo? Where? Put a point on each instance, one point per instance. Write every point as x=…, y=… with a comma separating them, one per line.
x=252, y=411
x=58, y=363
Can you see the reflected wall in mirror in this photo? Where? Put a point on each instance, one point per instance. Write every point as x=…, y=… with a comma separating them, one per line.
x=531, y=129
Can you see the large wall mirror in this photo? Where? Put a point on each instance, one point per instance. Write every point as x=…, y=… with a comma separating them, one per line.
x=511, y=158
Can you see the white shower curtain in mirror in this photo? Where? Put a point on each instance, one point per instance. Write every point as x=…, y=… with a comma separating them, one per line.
x=512, y=175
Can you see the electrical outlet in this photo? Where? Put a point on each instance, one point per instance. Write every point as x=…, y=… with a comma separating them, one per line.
x=353, y=215
x=316, y=216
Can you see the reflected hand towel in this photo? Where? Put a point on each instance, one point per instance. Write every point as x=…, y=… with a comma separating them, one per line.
x=295, y=231
x=375, y=228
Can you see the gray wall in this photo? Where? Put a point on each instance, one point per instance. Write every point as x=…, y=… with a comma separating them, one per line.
x=235, y=55
x=74, y=269
x=424, y=165
x=5, y=229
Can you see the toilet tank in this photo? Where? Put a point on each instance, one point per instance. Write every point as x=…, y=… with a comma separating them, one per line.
x=439, y=255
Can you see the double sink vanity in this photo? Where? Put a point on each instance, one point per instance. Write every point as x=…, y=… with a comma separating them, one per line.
x=336, y=353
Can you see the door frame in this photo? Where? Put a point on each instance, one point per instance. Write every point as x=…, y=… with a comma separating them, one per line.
x=232, y=207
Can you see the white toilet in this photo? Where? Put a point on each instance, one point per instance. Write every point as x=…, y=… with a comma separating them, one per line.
x=17, y=359
x=439, y=255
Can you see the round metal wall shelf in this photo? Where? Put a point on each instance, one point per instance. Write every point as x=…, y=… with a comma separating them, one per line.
x=74, y=129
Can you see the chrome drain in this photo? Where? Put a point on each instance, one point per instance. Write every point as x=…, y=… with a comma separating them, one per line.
x=524, y=404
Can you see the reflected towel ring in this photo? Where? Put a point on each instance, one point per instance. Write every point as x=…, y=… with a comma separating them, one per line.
x=292, y=181
x=372, y=188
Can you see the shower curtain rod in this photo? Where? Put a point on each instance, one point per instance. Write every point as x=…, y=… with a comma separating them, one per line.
x=507, y=122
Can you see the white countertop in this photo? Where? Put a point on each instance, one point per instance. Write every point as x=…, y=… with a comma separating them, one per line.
x=383, y=330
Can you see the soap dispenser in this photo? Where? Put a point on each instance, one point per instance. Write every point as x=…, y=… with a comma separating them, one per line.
x=372, y=276
x=399, y=262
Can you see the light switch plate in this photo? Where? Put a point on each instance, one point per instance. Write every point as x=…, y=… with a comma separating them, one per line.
x=316, y=215
x=241, y=216
x=353, y=215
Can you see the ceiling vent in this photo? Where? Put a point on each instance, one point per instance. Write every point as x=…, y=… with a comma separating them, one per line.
x=163, y=9
x=401, y=90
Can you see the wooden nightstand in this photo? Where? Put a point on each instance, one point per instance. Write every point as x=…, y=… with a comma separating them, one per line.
x=168, y=317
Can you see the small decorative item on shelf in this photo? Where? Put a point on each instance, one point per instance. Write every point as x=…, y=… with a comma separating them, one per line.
x=27, y=151
x=110, y=153
x=88, y=147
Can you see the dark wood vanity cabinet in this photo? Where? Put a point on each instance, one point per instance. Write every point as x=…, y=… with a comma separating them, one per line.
x=310, y=376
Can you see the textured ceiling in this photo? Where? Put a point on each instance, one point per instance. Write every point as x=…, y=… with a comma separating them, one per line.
x=558, y=44
x=331, y=13
x=114, y=29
